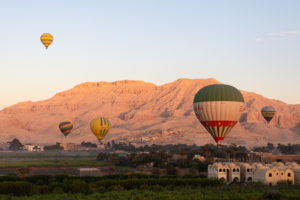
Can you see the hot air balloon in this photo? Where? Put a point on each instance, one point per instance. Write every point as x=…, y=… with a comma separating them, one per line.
x=65, y=127
x=218, y=107
x=268, y=112
x=100, y=127
x=46, y=39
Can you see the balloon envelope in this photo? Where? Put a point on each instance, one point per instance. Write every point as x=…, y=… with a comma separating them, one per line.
x=268, y=112
x=100, y=127
x=46, y=39
x=65, y=127
x=218, y=107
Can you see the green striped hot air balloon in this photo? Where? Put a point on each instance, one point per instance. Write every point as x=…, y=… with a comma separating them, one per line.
x=65, y=127
x=218, y=107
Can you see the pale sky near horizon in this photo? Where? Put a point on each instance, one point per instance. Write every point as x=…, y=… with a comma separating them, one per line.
x=252, y=45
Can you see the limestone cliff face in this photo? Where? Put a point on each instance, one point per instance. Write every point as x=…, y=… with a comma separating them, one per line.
x=143, y=113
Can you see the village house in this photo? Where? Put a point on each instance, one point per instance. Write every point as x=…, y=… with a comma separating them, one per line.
x=30, y=147
x=270, y=174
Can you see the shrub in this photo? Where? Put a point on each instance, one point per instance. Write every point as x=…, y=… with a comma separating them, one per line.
x=19, y=188
x=272, y=195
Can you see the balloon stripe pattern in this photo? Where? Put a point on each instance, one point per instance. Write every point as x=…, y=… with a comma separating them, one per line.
x=268, y=112
x=46, y=39
x=65, y=127
x=218, y=108
x=100, y=127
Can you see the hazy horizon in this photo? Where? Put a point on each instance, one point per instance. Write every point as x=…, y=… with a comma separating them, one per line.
x=253, y=46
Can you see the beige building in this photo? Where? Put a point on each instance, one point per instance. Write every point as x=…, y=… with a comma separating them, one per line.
x=233, y=172
x=246, y=172
x=218, y=170
x=89, y=172
x=296, y=168
x=270, y=174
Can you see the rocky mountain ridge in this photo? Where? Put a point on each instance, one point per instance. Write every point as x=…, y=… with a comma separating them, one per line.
x=143, y=113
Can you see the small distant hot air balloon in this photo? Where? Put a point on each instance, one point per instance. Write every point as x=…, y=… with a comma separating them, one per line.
x=46, y=39
x=218, y=107
x=100, y=127
x=65, y=127
x=268, y=112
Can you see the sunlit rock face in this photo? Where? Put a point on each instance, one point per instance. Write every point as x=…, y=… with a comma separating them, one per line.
x=143, y=113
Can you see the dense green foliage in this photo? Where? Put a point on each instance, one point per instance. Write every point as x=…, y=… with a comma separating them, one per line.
x=88, y=144
x=15, y=145
x=284, y=149
x=140, y=187
x=55, y=147
x=44, y=184
x=170, y=157
x=289, y=149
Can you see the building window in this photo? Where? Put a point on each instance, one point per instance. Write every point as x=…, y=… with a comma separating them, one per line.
x=289, y=174
x=249, y=179
x=270, y=174
x=224, y=170
x=233, y=170
x=220, y=170
x=281, y=173
x=248, y=170
x=277, y=173
x=238, y=170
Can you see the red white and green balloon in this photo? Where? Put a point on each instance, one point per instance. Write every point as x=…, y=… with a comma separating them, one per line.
x=218, y=107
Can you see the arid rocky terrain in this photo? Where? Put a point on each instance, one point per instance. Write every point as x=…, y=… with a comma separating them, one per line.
x=143, y=113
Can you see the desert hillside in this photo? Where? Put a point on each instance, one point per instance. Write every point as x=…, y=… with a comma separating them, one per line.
x=143, y=113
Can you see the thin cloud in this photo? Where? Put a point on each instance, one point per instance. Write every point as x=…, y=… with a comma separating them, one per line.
x=258, y=39
x=279, y=35
x=285, y=34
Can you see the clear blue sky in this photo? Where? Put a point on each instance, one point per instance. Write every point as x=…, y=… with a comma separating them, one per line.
x=253, y=45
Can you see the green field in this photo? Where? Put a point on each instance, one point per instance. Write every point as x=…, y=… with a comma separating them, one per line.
x=10, y=155
x=51, y=163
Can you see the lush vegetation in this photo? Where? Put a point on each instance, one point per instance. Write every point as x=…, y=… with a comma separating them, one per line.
x=50, y=163
x=170, y=158
x=284, y=149
x=137, y=187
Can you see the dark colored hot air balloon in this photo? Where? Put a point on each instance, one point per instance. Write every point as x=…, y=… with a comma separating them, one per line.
x=65, y=127
x=268, y=112
x=218, y=107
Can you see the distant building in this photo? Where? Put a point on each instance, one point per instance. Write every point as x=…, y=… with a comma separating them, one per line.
x=246, y=172
x=75, y=147
x=270, y=174
x=38, y=148
x=296, y=168
x=89, y=172
x=233, y=172
x=30, y=147
x=219, y=171
x=199, y=157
